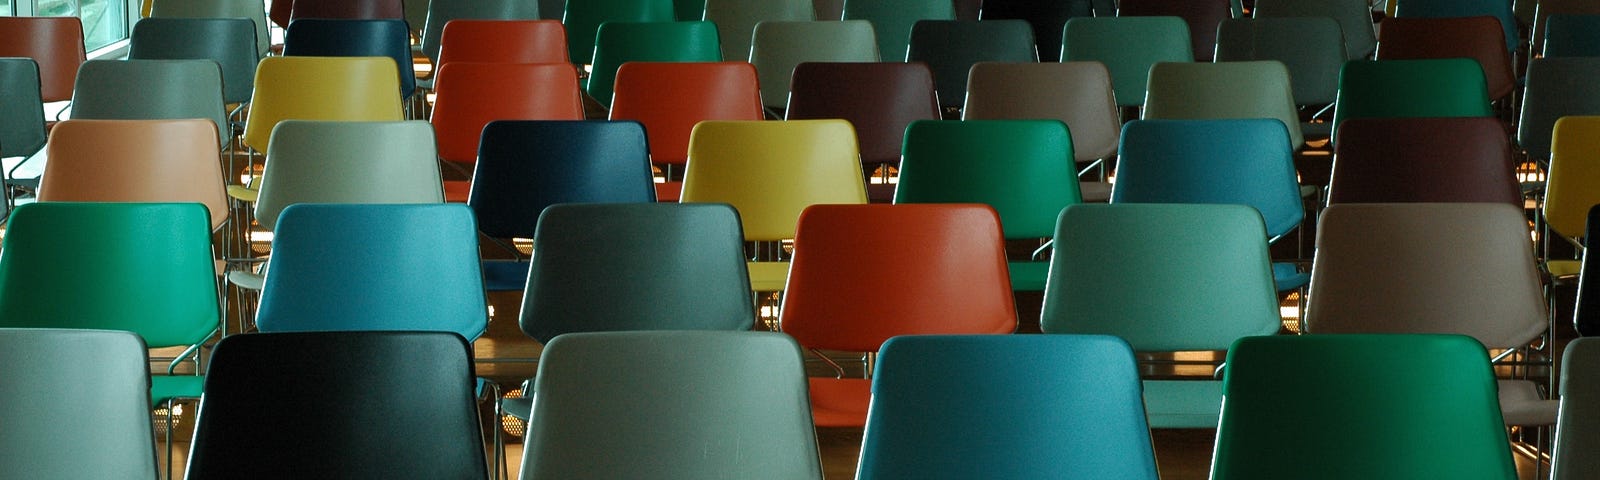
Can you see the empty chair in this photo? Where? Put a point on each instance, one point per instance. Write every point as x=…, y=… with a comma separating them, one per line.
x=669, y=98
x=1354, y=17
x=1106, y=40
x=880, y=99
x=1451, y=87
x=737, y=19
x=621, y=42
x=893, y=20
x=1311, y=48
x=1569, y=189
x=1542, y=32
x=1077, y=93
x=45, y=370
x=1413, y=389
x=320, y=88
x=947, y=266
x=777, y=47
x=1555, y=88
x=442, y=12
x=340, y=37
x=1201, y=15
x=152, y=90
x=923, y=422
x=1500, y=10
x=347, y=9
x=469, y=95
x=22, y=122
x=1223, y=90
x=1046, y=18
x=230, y=42
x=55, y=43
x=270, y=407
x=247, y=9
x=583, y=18
x=348, y=162
x=1586, y=312
x=502, y=41
x=950, y=47
x=1572, y=36
x=1390, y=160
x=135, y=161
x=1575, y=429
x=1477, y=38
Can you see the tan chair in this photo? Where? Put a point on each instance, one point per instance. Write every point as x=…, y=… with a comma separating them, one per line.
x=1077, y=93
x=135, y=161
x=1194, y=91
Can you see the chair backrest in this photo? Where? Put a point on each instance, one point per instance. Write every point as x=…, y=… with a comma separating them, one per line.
x=878, y=98
x=894, y=19
x=1500, y=10
x=153, y=267
x=1543, y=32
x=711, y=393
x=1555, y=88
x=1477, y=38
x=1574, y=171
x=416, y=15
x=40, y=404
x=1224, y=90
x=669, y=98
x=154, y=90
x=55, y=43
x=771, y=171
x=1412, y=389
x=1354, y=17
x=1586, y=308
x=1571, y=35
x=1105, y=39
x=1021, y=168
x=135, y=161
x=1201, y=15
x=1046, y=18
x=347, y=9
x=923, y=422
x=469, y=95
x=1312, y=48
x=342, y=37
x=22, y=130
x=1445, y=87
x=251, y=10
x=584, y=17
x=616, y=267
x=525, y=166
x=256, y=418
x=1575, y=429
x=1164, y=277
x=777, y=47
x=1238, y=161
x=374, y=267
x=950, y=47
x=1077, y=93
x=947, y=265
x=278, y=12
x=736, y=20
x=230, y=43
x=320, y=88
x=621, y=42
x=1391, y=160
x=500, y=40
x=348, y=162
x=1463, y=268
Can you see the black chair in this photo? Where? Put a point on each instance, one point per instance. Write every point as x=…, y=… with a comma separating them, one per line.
x=950, y=47
x=339, y=405
x=338, y=37
x=1586, y=317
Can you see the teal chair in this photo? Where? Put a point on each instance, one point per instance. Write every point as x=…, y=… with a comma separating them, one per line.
x=1450, y=87
x=1572, y=36
x=1109, y=40
x=1022, y=168
x=1164, y=277
x=1354, y=18
x=893, y=19
x=621, y=42
x=1360, y=406
x=1062, y=406
x=583, y=18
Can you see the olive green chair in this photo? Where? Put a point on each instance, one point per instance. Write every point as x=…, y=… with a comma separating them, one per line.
x=1108, y=40
x=1450, y=87
x=1224, y=90
x=583, y=18
x=621, y=42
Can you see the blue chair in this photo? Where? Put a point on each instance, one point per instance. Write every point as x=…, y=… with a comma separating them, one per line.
x=1059, y=406
x=338, y=37
x=1238, y=161
x=1572, y=36
x=525, y=166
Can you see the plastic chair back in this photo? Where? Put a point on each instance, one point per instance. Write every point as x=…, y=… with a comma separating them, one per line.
x=1201, y=15
x=278, y=12
x=617, y=267
x=1312, y=48
x=1022, y=168
x=153, y=90
x=348, y=162
x=1544, y=34
x=1224, y=90
x=770, y=171
x=42, y=366
x=1414, y=389
x=1575, y=431
x=21, y=111
x=230, y=43
x=777, y=47
x=620, y=42
x=525, y=166
x=1461, y=268
x=1500, y=10
x=347, y=9
x=1574, y=169
x=156, y=278
x=1477, y=38
x=55, y=43
x=1077, y=93
x=1105, y=40
x=258, y=416
x=1555, y=88
x=1447, y=87
x=894, y=19
x=736, y=20
x=923, y=423
x=470, y=95
x=1046, y=18
x=247, y=9
x=584, y=17
x=1354, y=17
x=374, y=267
x=879, y=99
x=1391, y=160
x=711, y=392
x=669, y=98
x=503, y=40
x=950, y=47
x=1237, y=161
x=135, y=161
x=338, y=37
x=320, y=88
x=1572, y=36
x=1586, y=311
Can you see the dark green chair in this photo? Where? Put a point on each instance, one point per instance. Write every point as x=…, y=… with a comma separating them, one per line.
x=1374, y=407
x=1450, y=87
x=893, y=19
x=621, y=42
x=951, y=47
x=1111, y=40
x=583, y=18
x=1022, y=168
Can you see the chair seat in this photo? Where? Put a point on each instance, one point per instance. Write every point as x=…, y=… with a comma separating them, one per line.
x=246, y=279
x=1563, y=268
x=243, y=193
x=768, y=276
x=1183, y=403
x=840, y=402
x=455, y=191
x=1288, y=276
x=505, y=275
x=1028, y=276
x=1522, y=404
x=164, y=387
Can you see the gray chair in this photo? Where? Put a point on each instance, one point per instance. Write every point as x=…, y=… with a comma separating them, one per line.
x=1312, y=48
x=58, y=379
x=1578, y=425
x=251, y=10
x=1555, y=88
x=1354, y=17
x=951, y=47
x=229, y=41
x=737, y=19
x=22, y=131
x=151, y=90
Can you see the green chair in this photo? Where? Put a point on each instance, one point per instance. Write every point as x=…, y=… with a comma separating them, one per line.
x=1166, y=278
x=621, y=42
x=893, y=19
x=737, y=19
x=1451, y=87
x=247, y=9
x=1022, y=168
x=583, y=18
x=1360, y=406
x=1224, y=90
x=777, y=47
x=1110, y=40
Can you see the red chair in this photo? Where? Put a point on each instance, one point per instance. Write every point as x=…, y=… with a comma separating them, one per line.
x=55, y=43
x=864, y=273
x=669, y=98
x=279, y=12
x=469, y=95
x=503, y=41
x=1477, y=38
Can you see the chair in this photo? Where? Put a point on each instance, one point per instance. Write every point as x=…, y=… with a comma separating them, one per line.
x=320, y=88
x=347, y=9
x=1540, y=30
x=341, y=37
x=1414, y=390
x=1411, y=88
x=879, y=99
x=55, y=43
x=1223, y=90
x=620, y=42
x=893, y=20
x=1105, y=40
x=502, y=41
x=347, y=162
x=776, y=48
x=1077, y=93
x=470, y=95
x=947, y=266
x=153, y=90
x=669, y=98
x=1046, y=18
x=42, y=393
x=1586, y=313
x=278, y=12
x=501, y=38
x=416, y=15
x=1500, y=10
x=942, y=407
x=737, y=19
x=1572, y=36
x=951, y=47
x=135, y=161
x=22, y=122
x=1022, y=168
x=1477, y=38
x=230, y=43
x=525, y=166
x=1569, y=188
x=1354, y=17
x=1311, y=48
x=1391, y=160
x=583, y=18
x=246, y=9
x=1575, y=430
x=1201, y=15
x=331, y=404
x=770, y=172
x=711, y=393
x=1555, y=88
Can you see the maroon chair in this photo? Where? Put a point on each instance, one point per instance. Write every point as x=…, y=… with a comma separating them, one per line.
x=1478, y=38
x=349, y=9
x=1400, y=160
x=279, y=12
x=55, y=43
x=879, y=99
x=1203, y=16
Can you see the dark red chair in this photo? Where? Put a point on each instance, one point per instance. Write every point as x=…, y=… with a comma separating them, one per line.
x=1400, y=160
x=879, y=99
x=55, y=43
x=669, y=98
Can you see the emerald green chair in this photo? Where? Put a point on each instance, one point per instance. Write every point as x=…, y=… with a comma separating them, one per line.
x=1109, y=40
x=582, y=19
x=1022, y=168
x=893, y=19
x=1374, y=407
x=1450, y=87
x=1166, y=278
x=621, y=42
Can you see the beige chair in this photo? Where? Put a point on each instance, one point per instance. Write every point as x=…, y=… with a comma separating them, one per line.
x=135, y=161
x=1578, y=427
x=1077, y=93
x=1191, y=90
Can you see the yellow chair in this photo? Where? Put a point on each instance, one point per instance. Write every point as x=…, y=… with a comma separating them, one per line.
x=1569, y=191
x=770, y=171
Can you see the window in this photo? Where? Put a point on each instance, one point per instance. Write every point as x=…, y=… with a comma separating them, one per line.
x=104, y=21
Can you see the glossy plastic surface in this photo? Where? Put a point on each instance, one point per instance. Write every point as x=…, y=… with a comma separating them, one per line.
x=38, y=399
x=1575, y=431
x=584, y=17
x=950, y=47
x=777, y=47
x=55, y=43
x=1354, y=17
x=502, y=41
x=770, y=171
x=1572, y=36
x=1022, y=168
x=737, y=19
x=347, y=9
x=1077, y=93
x=320, y=88
x=497, y=27
x=1236, y=161
x=669, y=98
x=21, y=111
x=1046, y=18
x=1500, y=10
x=1555, y=88
x=135, y=161
x=1381, y=160
x=617, y=43
x=1311, y=48
x=1162, y=39
x=1201, y=15
x=230, y=42
x=894, y=19
x=1477, y=38
x=247, y=9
